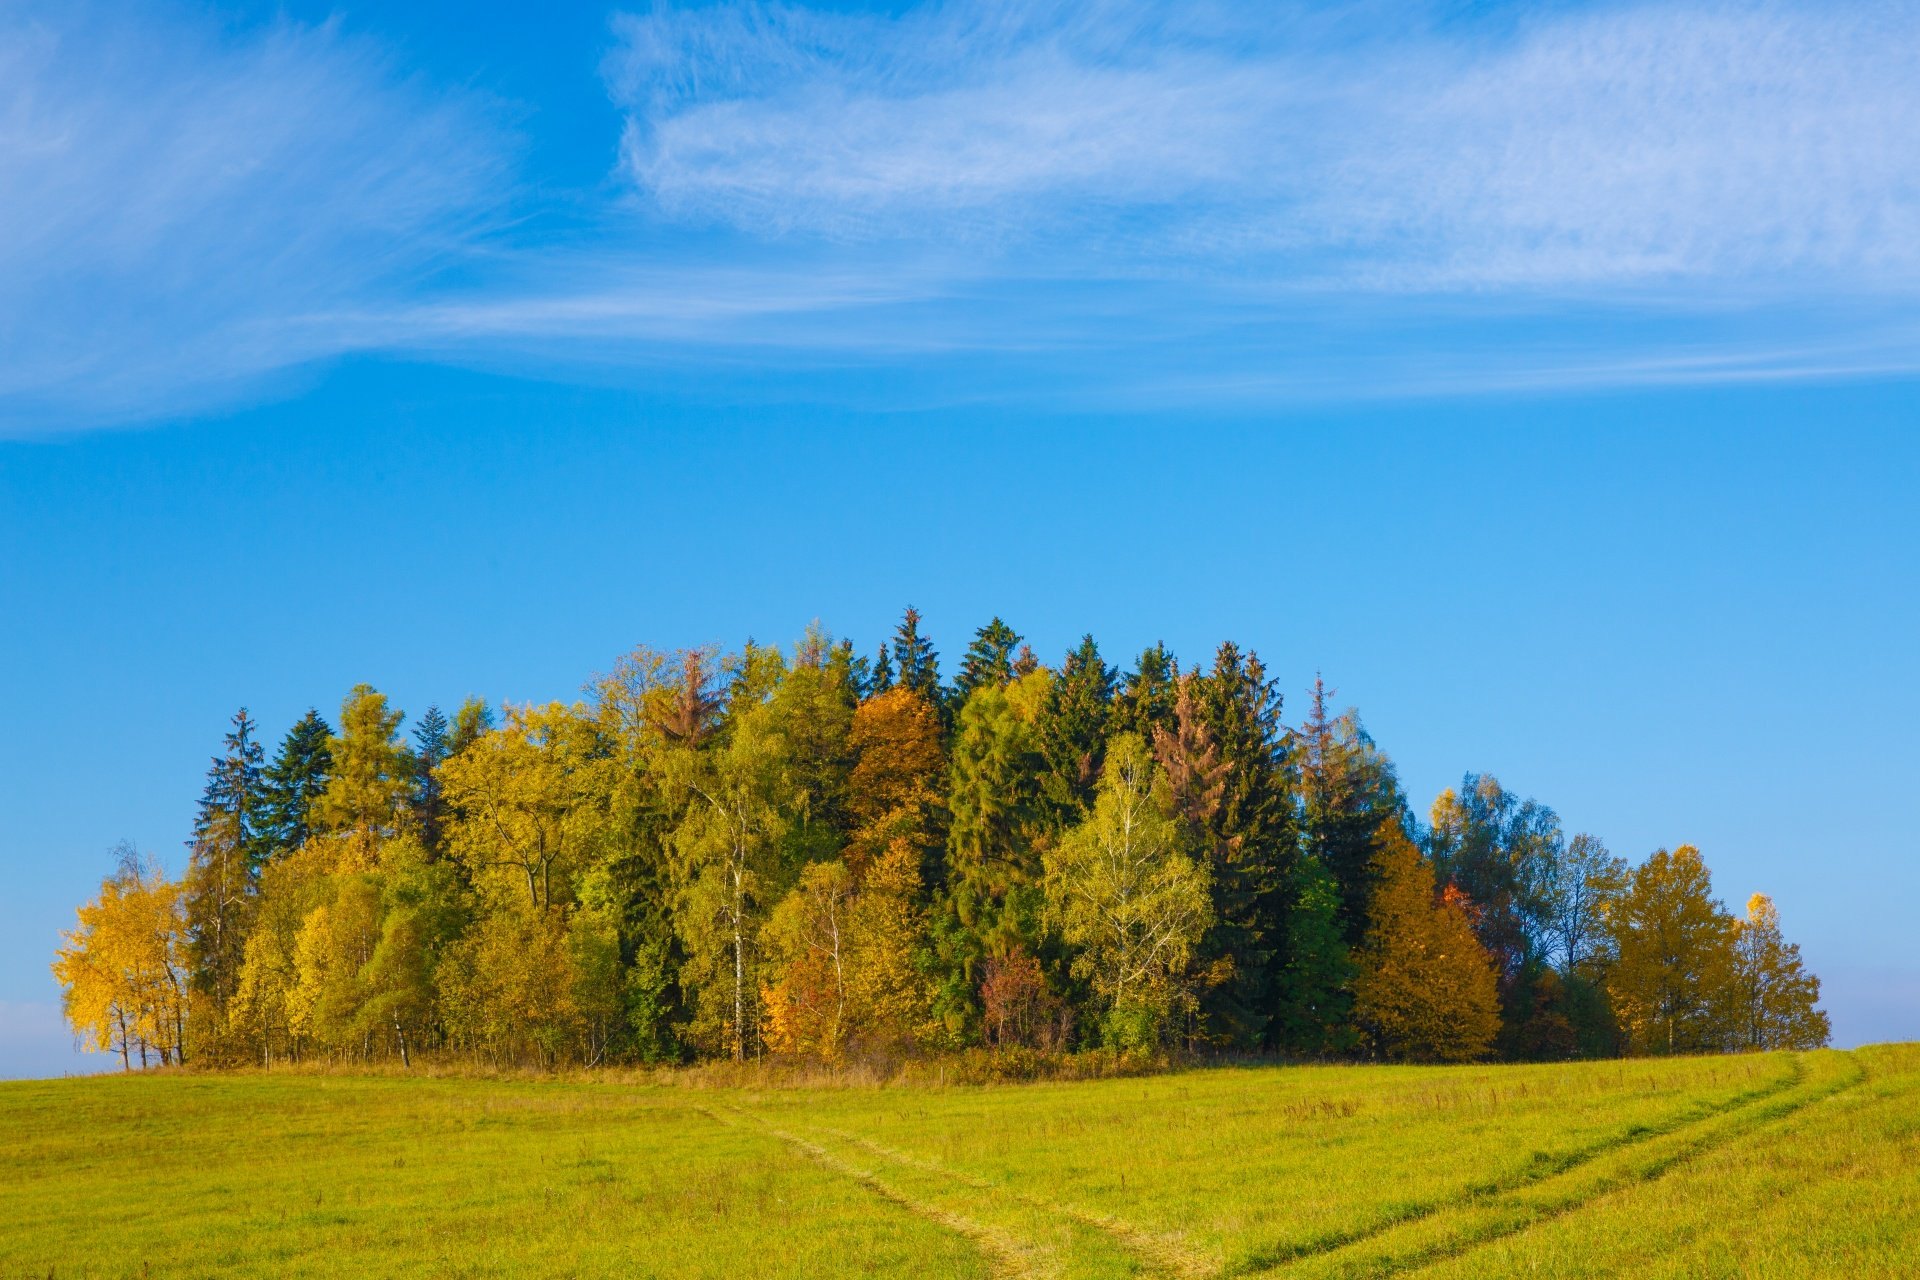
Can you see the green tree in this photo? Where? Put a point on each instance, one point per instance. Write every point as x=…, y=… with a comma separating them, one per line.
x=1145, y=703
x=223, y=869
x=1123, y=893
x=917, y=663
x=1072, y=732
x=1348, y=788
x=1314, y=986
x=993, y=866
x=1500, y=851
x=988, y=660
x=431, y=739
x=294, y=783
x=473, y=721
x=1252, y=845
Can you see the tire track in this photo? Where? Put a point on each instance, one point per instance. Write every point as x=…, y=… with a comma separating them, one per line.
x=1278, y=1261
x=1164, y=1254
x=1509, y=1213
x=1012, y=1258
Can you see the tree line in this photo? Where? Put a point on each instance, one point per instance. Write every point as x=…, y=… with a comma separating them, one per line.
x=816, y=853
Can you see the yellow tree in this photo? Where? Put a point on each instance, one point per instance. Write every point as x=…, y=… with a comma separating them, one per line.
x=533, y=800
x=1122, y=891
x=1426, y=989
x=1673, y=971
x=123, y=971
x=809, y=946
x=1774, y=1000
x=371, y=775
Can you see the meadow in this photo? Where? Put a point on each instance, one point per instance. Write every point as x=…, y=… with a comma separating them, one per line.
x=1781, y=1164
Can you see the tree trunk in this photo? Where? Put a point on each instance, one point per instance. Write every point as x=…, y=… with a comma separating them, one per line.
x=406, y=1060
x=739, y=971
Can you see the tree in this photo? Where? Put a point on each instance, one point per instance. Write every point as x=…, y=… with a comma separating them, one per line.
x=431, y=739
x=294, y=782
x=1145, y=703
x=1578, y=892
x=534, y=800
x=1252, y=845
x=366, y=796
x=1500, y=851
x=473, y=721
x=994, y=803
x=1775, y=1000
x=1313, y=987
x=899, y=762
x=1072, y=733
x=1426, y=990
x=728, y=870
x=1121, y=890
x=812, y=707
x=809, y=946
x=1674, y=958
x=917, y=663
x=988, y=660
x=227, y=852
x=1348, y=788
x=123, y=970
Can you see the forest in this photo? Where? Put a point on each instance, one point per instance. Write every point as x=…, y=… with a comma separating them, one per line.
x=819, y=855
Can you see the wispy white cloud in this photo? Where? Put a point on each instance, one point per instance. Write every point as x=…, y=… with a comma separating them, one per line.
x=183, y=206
x=1592, y=146
x=1115, y=203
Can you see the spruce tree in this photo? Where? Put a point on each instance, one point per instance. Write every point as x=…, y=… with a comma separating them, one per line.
x=1074, y=726
x=1313, y=987
x=1348, y=788
x=224, y=865
x=1145, y=704
x=431, y=738
x=988, y=660
x=879, y=674
x=1253, y=844
x=918, y=664
x=294, y=781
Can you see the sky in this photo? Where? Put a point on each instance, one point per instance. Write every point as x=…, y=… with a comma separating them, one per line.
x=1545, y=375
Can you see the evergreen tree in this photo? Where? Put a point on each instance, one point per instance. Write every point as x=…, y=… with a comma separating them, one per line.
x=1145, y=703
x=1073, y=731
x=1348, y=788
x=880, y=673
x=1313, y=987
x=295, y=781
x=431, y=738
x=1253, y=845
x=988, y=660
x=917, y=663
x=223, y=868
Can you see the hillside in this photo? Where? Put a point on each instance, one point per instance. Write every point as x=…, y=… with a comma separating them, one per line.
x=1779, y=1164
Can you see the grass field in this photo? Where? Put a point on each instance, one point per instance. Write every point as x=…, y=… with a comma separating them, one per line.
x=1771, y=1165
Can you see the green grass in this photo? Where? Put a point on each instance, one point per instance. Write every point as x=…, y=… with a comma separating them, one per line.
x=1771, y=1165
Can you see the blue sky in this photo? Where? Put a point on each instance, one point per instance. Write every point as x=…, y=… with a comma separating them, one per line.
x=1545, y=375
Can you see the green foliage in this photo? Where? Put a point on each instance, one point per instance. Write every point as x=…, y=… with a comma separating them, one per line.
x=294, y=783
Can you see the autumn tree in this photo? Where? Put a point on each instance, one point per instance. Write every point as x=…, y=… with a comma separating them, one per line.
x=1426, y=989
x=123, y=970
x=533, y=799
x=372, y=775
x=1673, y=947
x=1774, y=1000
x=1122, y=891
x=1500, y=851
